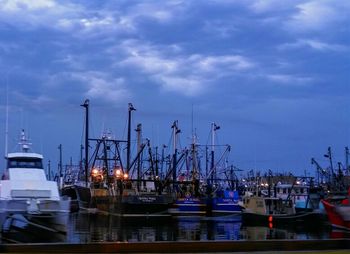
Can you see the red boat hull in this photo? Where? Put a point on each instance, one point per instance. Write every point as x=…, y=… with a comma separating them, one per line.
x=338, y=214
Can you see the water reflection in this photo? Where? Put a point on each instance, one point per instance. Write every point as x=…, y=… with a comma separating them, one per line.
x=108, y=228
x=203, y=228
x=87, y=227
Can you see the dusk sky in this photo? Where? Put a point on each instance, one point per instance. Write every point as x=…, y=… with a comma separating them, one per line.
x=274, y=75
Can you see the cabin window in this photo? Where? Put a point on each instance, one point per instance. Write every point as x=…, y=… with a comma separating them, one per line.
x=25, y=163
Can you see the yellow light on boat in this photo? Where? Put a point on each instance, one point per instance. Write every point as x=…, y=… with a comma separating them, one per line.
x=118, y=173
x=94, y=172
x=126, y=176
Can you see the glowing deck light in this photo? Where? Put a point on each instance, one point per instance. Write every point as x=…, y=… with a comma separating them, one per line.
x=118, y=173
x=95, y=172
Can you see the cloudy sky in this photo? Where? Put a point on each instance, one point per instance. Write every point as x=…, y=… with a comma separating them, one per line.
x=273, y=74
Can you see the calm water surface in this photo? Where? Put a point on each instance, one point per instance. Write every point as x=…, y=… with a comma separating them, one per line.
x=86, y=227
x=99, y=228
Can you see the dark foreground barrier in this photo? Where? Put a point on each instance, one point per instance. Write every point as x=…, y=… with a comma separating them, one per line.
x=180, y=247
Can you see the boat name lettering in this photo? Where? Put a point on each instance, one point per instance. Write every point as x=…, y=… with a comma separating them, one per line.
x=147, y=199
x=230, y=200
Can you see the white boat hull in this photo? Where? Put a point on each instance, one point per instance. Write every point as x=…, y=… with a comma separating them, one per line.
x=51, y=215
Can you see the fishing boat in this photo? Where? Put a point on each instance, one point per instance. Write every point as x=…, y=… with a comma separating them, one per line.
x=118, y=185
x=228, y=204
x=189, y=206
x=79, y=194
x=224, y=199
x=274, y=212
x=190, y=200
x=27, y=198
x=187, y=181
x=338, y=211
x=116, y=190
x=304, y=196
x=213, y=193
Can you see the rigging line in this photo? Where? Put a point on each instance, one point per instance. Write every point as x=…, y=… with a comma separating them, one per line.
x=218, y=162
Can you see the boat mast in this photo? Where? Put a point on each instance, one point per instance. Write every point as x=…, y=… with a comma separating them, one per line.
x=81, y=158
x=156, y=168
x=194, y=158
x=131, y=108
x=214, y=127
x=60, y=167
x=176, y=130
x=329, y=156
x=162, y=161
x=139, y=144
x=86, y=106
x=195, y=169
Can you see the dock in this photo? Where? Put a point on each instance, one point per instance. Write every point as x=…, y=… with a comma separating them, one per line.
x=332, y=245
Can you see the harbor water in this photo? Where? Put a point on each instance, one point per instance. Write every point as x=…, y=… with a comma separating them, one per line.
x=87, y=227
